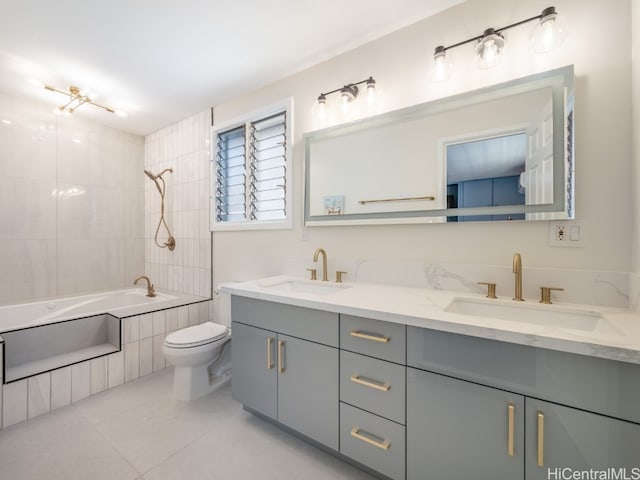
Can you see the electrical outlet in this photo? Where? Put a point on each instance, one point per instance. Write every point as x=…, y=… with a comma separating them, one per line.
x=566, y=233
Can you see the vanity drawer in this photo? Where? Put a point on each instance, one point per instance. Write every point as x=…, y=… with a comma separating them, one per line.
x=373, y=385
x=375, y=338
x=306, y=323
x=373, y=441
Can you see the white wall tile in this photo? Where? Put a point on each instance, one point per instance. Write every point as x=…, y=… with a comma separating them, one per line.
x=115, y=369
x=39, y=395
x=157, y=354
x=131, y=329
x=159, y=322
x=172, y=320
x=183, y=317
x=146, y=326
x=80, y=381
x=60, y=387
x=146, y=356
x=14, y=403
x=98, y=375
x=131, y=361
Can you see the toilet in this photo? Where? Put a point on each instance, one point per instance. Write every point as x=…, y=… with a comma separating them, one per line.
x=201, y=355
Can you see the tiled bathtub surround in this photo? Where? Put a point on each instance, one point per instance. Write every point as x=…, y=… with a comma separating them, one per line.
x=185, y=148
x=141, y=354
x=580, y=286
x=71, y=200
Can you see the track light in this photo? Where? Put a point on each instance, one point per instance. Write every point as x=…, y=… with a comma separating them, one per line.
x=549, y=33
x=77, y=98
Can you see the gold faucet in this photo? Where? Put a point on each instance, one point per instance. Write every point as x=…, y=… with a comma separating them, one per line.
x=151, y=292
x=324, y=262
x=517, y=270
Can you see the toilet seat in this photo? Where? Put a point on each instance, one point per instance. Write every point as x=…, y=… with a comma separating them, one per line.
x=196, y=335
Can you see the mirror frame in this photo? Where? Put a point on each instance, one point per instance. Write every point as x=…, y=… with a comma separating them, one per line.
x=561, y=82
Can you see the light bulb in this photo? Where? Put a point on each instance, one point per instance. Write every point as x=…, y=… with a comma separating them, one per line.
x=549, y=33
x=440, y=70
x=489, y=48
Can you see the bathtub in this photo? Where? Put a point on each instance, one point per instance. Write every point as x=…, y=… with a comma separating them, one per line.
x=119, y=303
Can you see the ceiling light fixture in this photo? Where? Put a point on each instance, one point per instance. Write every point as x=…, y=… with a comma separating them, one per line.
x=77, y=98
x=549, y=33
x=348, y=93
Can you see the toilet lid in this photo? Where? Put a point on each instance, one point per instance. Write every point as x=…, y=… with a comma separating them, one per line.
x=196, y=335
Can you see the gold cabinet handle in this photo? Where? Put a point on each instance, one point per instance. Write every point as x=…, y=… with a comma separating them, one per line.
x=369, y=336
x=383, y=387
x=511, y=410
x=269, y=359
x=540, y=439
x=384, y=444
x=281, y=356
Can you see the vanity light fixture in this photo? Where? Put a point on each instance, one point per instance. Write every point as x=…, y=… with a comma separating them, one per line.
x=77, y=98
x=549, y=32
x=349, y=92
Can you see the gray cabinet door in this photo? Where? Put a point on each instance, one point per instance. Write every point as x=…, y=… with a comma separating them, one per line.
x=578, y=441
x=460, y=430
x=308, y=389
x=254, y=382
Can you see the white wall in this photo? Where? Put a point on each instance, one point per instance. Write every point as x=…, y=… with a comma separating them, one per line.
x=71, y=203
x=635, y=21
x=399, y=62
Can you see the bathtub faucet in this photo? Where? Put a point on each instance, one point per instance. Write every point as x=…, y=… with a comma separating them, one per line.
x=150, y=290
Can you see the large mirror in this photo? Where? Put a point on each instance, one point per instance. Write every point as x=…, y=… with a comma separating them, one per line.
x=499, y=153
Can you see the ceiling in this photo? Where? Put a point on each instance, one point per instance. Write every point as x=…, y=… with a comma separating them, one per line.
x=164, y=60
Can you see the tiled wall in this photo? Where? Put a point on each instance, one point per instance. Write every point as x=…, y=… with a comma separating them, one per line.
x=71, y=204
x=184, y=147
x=141, y=354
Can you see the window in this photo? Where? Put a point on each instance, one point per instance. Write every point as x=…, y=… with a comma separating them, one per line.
x=251, y=172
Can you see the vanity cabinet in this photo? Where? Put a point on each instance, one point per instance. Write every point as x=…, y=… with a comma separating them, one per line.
x=458, y=429
x=290, y=379
x=469, y=384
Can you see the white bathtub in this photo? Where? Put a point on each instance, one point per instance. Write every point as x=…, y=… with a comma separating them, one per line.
x=120, y=303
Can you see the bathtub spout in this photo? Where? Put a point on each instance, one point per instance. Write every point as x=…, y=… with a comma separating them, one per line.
x=150, y=290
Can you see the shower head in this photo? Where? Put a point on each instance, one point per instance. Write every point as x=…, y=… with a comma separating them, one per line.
x=150, y=175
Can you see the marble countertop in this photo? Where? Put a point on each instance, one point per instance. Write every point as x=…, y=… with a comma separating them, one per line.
x=615, y=336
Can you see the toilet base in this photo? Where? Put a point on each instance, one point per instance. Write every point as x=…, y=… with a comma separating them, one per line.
x=191, y=383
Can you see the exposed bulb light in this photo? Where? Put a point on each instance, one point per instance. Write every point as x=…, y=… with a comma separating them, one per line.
x=550, y=31
x=441, y=68
x=489, y=48
x=348, y=94
x=77, y=98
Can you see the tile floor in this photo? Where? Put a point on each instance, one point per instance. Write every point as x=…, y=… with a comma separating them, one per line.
x=139, y=432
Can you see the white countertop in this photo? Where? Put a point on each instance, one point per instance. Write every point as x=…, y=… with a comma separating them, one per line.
x=425, y=308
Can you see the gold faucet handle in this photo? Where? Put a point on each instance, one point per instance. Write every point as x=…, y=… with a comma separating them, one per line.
x=339, y=275
x=491, y=289
x=545, y=294
x=314, y=273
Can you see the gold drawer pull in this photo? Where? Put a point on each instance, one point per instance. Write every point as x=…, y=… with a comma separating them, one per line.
x=383, y=387
x=368, y=336
x=280, y=356
x=384, y=444
x=511, y=409
x=269, y=359
x=540, y=439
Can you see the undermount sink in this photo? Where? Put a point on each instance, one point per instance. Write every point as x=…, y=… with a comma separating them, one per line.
x=306, y=286
x=534, y=314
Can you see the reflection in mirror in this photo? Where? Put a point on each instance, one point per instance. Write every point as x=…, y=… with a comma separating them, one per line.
x=487, y=172
x=499, y=153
